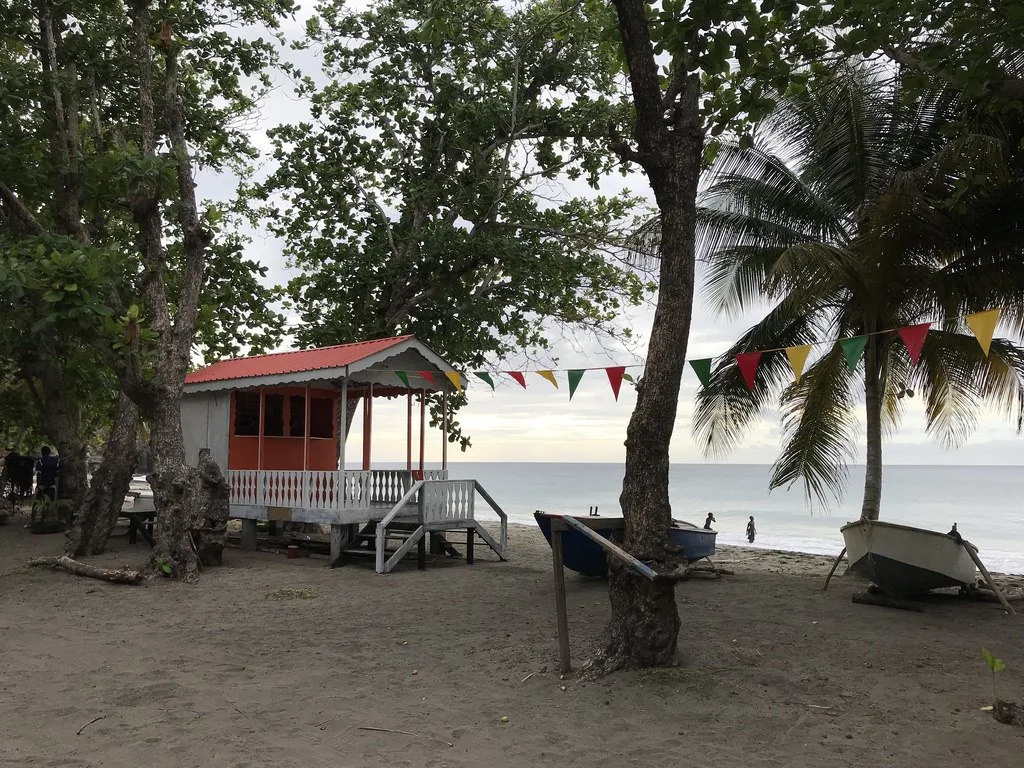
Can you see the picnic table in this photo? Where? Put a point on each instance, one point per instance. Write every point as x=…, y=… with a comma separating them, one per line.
x=141, y=519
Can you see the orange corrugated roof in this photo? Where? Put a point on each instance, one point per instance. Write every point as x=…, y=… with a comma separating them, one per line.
x=279, y=363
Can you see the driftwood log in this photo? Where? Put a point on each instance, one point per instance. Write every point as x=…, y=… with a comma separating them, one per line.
x=63, y=562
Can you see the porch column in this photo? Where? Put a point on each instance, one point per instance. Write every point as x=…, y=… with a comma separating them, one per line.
x=444, y=429
x=408, y=433
x=367, y=428
x=260, y=487
x=343, y=423
x=305, y=453
x=423, y=425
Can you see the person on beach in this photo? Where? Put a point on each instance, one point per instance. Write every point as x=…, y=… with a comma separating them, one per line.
x=47, y=473
x=709, y=521
x=751, y=530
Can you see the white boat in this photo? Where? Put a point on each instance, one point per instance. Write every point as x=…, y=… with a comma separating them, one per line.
x=906, y=561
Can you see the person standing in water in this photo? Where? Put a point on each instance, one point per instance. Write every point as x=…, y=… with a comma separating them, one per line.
x=709, y=521
x=751, y=530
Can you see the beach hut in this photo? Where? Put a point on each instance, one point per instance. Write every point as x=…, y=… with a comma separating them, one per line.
x=277, y=424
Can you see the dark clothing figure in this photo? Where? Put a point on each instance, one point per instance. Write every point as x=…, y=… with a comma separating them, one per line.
x=47, y=472
x=12, y=461
x=751, y=530
x=709, y=521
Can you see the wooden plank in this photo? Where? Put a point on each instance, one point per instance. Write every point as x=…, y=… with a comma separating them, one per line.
x=502, y=553
x=988, y=576
x=249, y=535
x=279, y=514
x=561, y=615
x=403, y=550
x=631, y=562
x=605, y=523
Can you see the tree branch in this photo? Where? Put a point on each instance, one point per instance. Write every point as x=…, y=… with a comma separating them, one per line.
x=20, y=211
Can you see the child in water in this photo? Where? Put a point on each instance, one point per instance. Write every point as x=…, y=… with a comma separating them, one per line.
x=751, y=530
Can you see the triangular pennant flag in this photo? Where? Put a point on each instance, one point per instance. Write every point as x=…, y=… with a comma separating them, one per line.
x=518, y=376
x=455, y=379
x=550, y=376
x=403, y=376
x=913, y=338
x=428, y=375
x=615, y=378
x=574, y=380
x=747, y=361
x=702, y=368
x=484, y=376
x=853, y=348
x=983, y=325
x=797, y=357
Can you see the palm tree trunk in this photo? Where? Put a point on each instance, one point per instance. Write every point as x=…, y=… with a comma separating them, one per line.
x=873, y=414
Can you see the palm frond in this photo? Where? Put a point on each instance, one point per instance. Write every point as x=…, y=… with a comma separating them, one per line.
x=726, y=408
x=956, y=378
x=820, y=428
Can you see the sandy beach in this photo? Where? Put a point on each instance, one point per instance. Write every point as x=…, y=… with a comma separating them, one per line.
x=277, y=662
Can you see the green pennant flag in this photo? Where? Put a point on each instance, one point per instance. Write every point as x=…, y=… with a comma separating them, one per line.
x=403, y=376
x=574, y=381
x=485, y=376
x=853, y=348
x=703, y=370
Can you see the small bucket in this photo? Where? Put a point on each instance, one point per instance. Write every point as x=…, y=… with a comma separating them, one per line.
x=293, y=551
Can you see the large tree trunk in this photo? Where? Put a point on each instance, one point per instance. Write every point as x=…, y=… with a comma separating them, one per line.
x=873, y=417
x=61, y=421
x=173, y=482
x=644, y=625
x=101, y=507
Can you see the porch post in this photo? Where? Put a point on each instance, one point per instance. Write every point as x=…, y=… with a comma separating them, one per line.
x=305, y=451
x=423, y=425
x=343, y=423
x=408, y=434
x=260, y=489
x=444, y=430
x=367, y=428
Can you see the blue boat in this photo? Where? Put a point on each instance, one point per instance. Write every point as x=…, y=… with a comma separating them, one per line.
x=582, y=555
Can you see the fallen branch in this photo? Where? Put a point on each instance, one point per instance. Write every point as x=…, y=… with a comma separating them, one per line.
x=118, y=576
x=95, y=719
x=834, y=566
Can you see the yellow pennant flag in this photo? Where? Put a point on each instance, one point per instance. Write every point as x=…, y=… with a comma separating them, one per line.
x=455, y=379
x=797, y=357
x=983, y=325
x=550, y=376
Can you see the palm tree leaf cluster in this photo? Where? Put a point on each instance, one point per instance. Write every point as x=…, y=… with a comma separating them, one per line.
x=859, y=209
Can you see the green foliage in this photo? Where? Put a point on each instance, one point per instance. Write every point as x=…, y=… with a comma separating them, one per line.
x=863, y=231
x=424, y=196
x=995, y=666
x=70, y=271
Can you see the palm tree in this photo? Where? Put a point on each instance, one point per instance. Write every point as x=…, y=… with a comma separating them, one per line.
x=854, y=214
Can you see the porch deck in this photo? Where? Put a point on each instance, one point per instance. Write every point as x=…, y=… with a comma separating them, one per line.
x=351, y=497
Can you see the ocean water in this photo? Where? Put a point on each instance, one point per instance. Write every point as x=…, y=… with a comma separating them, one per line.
x=987, y=503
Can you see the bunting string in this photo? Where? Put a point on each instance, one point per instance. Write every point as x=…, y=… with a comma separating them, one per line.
x=981, y=324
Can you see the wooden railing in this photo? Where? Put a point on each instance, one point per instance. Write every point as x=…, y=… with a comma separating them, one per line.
x=351, y=489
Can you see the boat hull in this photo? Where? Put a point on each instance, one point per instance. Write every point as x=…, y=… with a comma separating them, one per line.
x=906, y=561
x=587, y=558
x=579, y=553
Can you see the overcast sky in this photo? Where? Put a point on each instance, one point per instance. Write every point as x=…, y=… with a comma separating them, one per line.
x=540, y=424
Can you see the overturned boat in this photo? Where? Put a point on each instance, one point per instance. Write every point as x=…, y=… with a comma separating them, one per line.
x=905, y=561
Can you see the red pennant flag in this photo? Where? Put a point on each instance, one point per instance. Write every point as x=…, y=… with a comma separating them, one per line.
x=913, y=338
x=615, y=378
x=748, y=362
x=428, y=376
x=518, y=376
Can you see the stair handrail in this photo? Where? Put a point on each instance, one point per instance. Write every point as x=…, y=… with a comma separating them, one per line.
x=501, y=516
x=389, y=517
